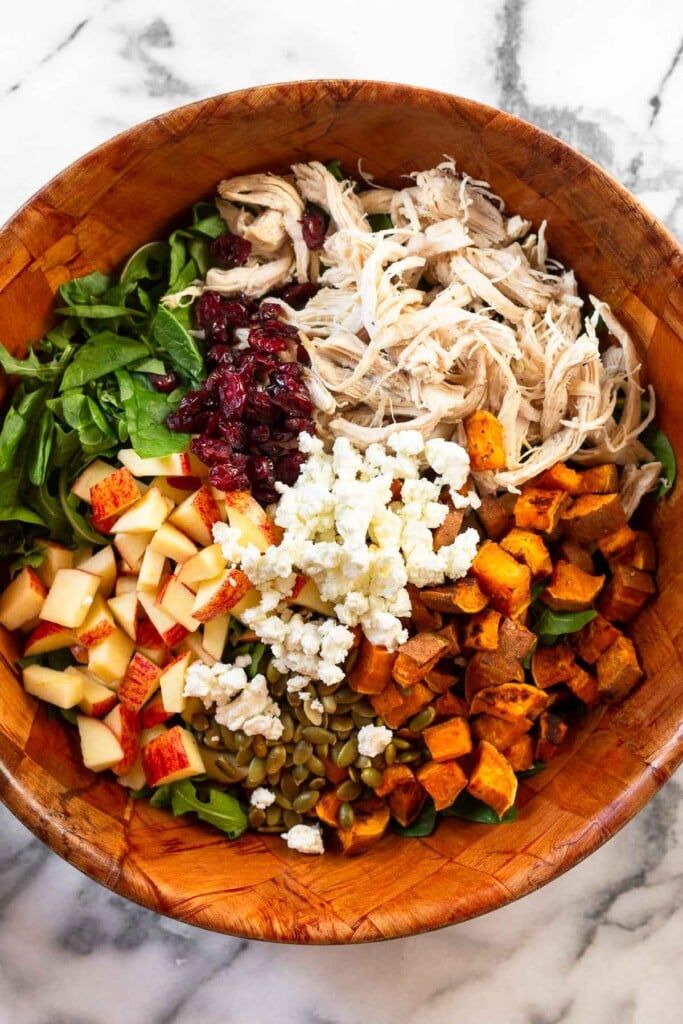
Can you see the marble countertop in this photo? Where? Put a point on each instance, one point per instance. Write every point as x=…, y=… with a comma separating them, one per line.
x=601, y=945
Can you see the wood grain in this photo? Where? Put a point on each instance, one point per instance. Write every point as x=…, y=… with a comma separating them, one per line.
x=137, y=187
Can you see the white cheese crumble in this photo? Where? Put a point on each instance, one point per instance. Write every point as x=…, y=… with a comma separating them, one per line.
x=344, y=528
x=262, y=798
x=304, y=839
x=373, y=740
x=241, y=703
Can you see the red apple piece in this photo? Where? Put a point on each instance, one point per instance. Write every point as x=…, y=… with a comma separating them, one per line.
x=109, y=659
x=110, y=496
x=205, y=565
x=246, y=515
x=214, y=636
x=58, y=688
x=171, y=632
x=172, y=683
x=93, y=474
x=125, y=610
x=218, y=596
x=97, y=625
x=23, y=600
x=146, y=515
x=140, y=682
x=131, y=548
x=102, y=564
x=171, y=757
x=97, y=699
x=100, y=748
x=196, y=515
x=56, y=557
x=172, y=543
x=154, y=712
x=127, y=727
x=49, y=636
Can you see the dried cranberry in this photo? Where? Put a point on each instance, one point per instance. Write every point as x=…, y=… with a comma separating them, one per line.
x=265, y=492
x=271, y=337
x=313, y=226
x=292, y=401
x=259, y=408
x=232, y=392
x=217, y=316
x=252, y=365
x=230, y=476
x=303, y=356
x=192, y=413
x=259, y=434
x=207, y=308
x=165, y=384
x=288, y=375
x=299, y=425
x=297, y=295
x=283, y=436
x=260, y=468
x=234, y=432
x=228, y=251
x=267, y=311
x=221, y=354
x=288, y=466
x=211, y=450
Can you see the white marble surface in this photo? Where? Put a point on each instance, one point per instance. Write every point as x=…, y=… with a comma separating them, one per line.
x=603, y=944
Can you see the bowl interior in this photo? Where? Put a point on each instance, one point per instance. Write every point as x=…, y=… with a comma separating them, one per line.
x=134, y=189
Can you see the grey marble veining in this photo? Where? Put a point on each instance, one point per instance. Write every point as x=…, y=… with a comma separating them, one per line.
x=604, y=943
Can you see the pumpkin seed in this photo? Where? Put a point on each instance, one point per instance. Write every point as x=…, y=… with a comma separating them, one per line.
x=390, y=754
x=354, y=773
x=213, y=740
x=348, y=753
x=315, y=765
x=289, y=787
x=275, y=759
x=329, y=702
x=371, y=777
x=243, y=756
x=257, y=771
x=300, y=773
x=359, y=719
x=323, y=750
x=273, y=814
x=401, y=744
x=272, y=674
x=271, y=829
x=259, y=746
x=256, y=817
x=317, y=783
x=409, y=756
x=283, y=802
x=230, y=771
x=364, y=708
x=292, y=818
x=349, y=791
x=200, y=722
x=228, y=737
x=302, y=751
x=274, y=779
x=422, y=720
x=351, y=659
x=314, y=734
x=287, y=727
x=345, y=695
x=306, y=801
x=362, y=762
x=346, y=817
x=314, y=716
x=340, y=723
x=241, y=739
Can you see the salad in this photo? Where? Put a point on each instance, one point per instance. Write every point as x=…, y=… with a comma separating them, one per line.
x=323, y=516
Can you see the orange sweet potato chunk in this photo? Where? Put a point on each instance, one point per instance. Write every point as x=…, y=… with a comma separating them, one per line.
x=506, y=583
x=411, y=701
x=583, y=685
x=571, y=589
x=511, y=701
x=327, y=809
x=485, y=441
x=495, y=516
x=443, y=782
x=439, y=679
x=498, y=732
x=600, y=479
x=392, y=776
x=618, y=670
x=515, y=640
x=450, y=528
x=551, y=732
x=490, y=668
x=405, y=802
x=417, y=656
x=594, y=639
x=617, y=544
x=372, y=670
x=559, y=478
x=480, y=632
x=449, y=705
x=592, y=516
x=537, y=509
x=492, y=779
x=552, y=665
x=424, y=619
x=529, y=548
x=573, y=552
x=448, y=740
x=521, y=754
x=625, y=594
x=464, y=597
x=370, y=824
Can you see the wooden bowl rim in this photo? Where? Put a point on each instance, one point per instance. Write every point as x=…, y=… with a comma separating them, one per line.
x=19, y=800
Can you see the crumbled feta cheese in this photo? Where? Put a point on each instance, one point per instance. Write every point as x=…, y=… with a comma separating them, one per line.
x=262, y=798
x=304, y=839
x=240, y=703
x=373, y=740
x=242, y=660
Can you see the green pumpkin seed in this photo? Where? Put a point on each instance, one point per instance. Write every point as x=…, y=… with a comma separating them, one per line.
x=401, y=744
x=272, y=674
x=341, y=723
x=228, y=737
x=362, y=762
x=305, y=801
x=351, y=659
x=314, y=734
x=256, y=817
x=329, y=702
x=422, y=720
x=213, y=739
x=241, y=739
x=345, y=695
x=354, y=773
x=292, y=818
x=390, y=754
x=359, y=719
x=276, y=759
x=257, y=771
x=274, y=779
x=371, y=777
x=282, y=801
x=364, y=708
x=346, y=817
x=273, y=814
x=287, y=727
x=200, y=722
x=323, y=750
x=273, y=830
x=244, y=755
x=300, y=773
x=349, y=791
x=317, y=783
x=289, y=787
x=348, y=753
x=259, y=746
x=409, y=756
x=315, y=765
x=302, y=751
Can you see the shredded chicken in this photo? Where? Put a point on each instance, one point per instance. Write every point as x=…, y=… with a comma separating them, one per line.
x=457, y=308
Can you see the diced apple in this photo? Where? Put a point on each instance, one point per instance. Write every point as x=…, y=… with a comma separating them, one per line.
x=154, y=712
x=246, y=515
x=170, y=631
x=131, y=547
x=124, y=608
x=97, y=625
x=173, y=544
x=58, y=688
x=308, y=596
x=140, y=682
x=134, y=778
x=196, y=515
x=178, y=601
x=126, y=725
x=193, y=644
x=250, y=600
x=215, y=634
x=176, y=488
x=172, y=683
x=97, y=699
x=146, y=515
x=149, y=636
x=100, y=748
x=219, y=595
x=168, y=465
x=205, y=565
x=70, y=597
x=172, y=757
x=93, y=474
x=124, y=584
x=56, y=557
x=154, y=654
x=109, y=659
x=109, y=498
x=151, y=570
x=102, y=564
x=23, y=600
x=49, y=636
x=82, y=553
x=80, y=654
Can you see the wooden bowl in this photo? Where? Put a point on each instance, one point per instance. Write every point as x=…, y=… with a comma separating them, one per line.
x=135, y=188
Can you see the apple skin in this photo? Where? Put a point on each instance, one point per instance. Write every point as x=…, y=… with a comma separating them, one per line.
x=139, y=683
x=98, y=624
x=148, y=636
x=172, y=683
x=100, y=748
x=49, y=636
x=97, y=700
x=91, y=475
x=23, y=600
x=172, y=756
x=127, y=727
x=196, y=515
x=110, y=496
x=169, y=465
x=154, y=712
x=246, y=515
x=216, y=597
x=59, y=688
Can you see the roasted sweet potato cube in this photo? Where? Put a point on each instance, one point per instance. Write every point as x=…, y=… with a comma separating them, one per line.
x=618, y=670
x=393, y=776
x=450, y=528
x=618, y=543
x=327, y=809
x=595, y=638
x=600, y=479
x=552, y=665
x=521, y=754
x=559, y=478
x=333, y=772
x=490, y=668
x=495, y=516
x=480, y=631
x=424, y=619
x=440, y=679
x=551, y=732
x=412, y=701
x=583, y=685
x=572, y=552
x=443, y=782
x=370, y=824
x=449, y=704
x=571, y=589
x=465, y=596
x=506, y=583
x=388, y=700
x=625, y=594
x=529, y=548
x=592, y=516
x=417, y=656
x=450, y=634
x=372, y=669
x=485, y=442
x=405, y=802
x=492, y=779
x=643, y=554
x=540, y=510
x=448, y=740
x=497, y=731
x=515, y=640
x=511, y=701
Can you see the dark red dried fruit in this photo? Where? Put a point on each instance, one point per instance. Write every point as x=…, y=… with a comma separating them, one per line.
x=232, y=392
x=230, y=476
x=218, y=316
x=165, y=384
x=211, y=450
x=267, y=311
x=313, y=226
x=287, y=467
x=299, y=425
x=207, y=308
x=221, y=354
x=228, y=251
x=259, y=434
x=293, y=401
x=260, y=468
x=297, y=295
x=259, y=408
x=233, y=432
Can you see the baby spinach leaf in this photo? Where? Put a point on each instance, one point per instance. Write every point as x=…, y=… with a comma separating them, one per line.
x=40, y=448
x=380, y=221
x=69, y=715
x=77, y=522
x=12, y=506
x=148, y=263
x=212, y=226
x=101, y=355
x=656, y=441
x=149, y=365
x=19, y=420
x=82, y=414
x=552, y=625
x=85, y=290
x=65, y=444
x=29, y=368
x=471, y=809
x=222, y=810
x=423, y=825
x=101, y=312
x=257, y=653
x=146, y=411
x=335, y=169
x=173, y=339
x=534, y=770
